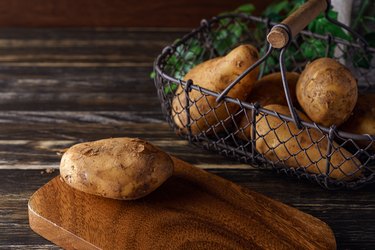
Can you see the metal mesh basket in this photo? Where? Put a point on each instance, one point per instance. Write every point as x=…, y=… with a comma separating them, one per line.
x=335, y=150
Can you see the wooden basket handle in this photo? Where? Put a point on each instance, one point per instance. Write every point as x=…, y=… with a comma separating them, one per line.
x=278, y=37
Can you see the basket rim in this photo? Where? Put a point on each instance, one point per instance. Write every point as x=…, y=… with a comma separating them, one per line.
x=205, y=23
x=253, y=106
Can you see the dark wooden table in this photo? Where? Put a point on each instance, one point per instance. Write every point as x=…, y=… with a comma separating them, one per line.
x=63, y=86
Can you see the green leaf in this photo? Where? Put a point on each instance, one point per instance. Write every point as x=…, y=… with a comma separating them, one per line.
x=152, y=74
x=246, y=8
x=275, y=9
x=221, y=46
x=224, y=22
x=172, y=60
x=234, y=33
x=170, y=89
x=189, y=55
x=197, y=50
x=237, y=31
x=333, y=14
x=322, y=26
x=313, y=48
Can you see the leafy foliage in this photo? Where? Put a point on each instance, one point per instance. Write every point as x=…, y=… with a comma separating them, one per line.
x=303, y=49
x=194, y=52
x=309, y=48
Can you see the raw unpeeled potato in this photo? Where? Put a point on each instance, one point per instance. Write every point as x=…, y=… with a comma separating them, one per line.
x=268, y=90
x=118, y=168
x=215, y=75
x=327, y=91
x=283, y=143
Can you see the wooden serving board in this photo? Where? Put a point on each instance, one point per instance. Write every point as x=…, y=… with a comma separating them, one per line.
x=192, y=210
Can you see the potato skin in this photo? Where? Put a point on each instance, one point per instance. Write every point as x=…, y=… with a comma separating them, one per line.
x=215, y=74
x=362, y=121
x=268, y=90
x=266, y=141
x=117, y=168
x=327, y=92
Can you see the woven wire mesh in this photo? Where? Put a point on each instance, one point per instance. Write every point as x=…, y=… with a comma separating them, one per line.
x=248, y=132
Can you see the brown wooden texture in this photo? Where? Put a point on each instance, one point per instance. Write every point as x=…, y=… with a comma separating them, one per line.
x=63, y=86
x=297, y=21
x=111, y=13
x=192, y=210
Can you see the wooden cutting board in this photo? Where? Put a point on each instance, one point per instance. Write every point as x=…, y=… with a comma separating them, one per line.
x=192, y=210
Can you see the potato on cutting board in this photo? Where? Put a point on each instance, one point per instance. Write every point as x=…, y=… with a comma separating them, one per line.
x=327, y=91
x=215, y=75
x=278, y=141
x=268, y=90
x=118, y=168
x=193, y=209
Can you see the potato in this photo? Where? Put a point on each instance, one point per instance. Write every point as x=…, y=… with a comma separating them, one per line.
x=327, y=92
x=309, y=147
x=268, y=90
x=118, y=168
x=215, y=74
x=363, y=119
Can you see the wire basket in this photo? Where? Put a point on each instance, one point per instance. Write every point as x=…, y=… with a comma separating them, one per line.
x=334, y=149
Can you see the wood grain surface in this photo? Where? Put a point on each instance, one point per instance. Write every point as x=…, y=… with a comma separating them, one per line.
x=191, y=210
x=110, y=13
x=44, y=76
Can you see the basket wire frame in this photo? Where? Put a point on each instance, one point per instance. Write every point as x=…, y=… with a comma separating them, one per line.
x=226, y=135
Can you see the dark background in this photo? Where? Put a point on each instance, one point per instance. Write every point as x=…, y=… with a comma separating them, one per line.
x=114, y=13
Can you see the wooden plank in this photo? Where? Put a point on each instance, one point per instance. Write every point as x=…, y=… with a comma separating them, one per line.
x=15, y=189
x=353, y=225
x=75, y=101
x=84, y=48
x=36, y=149
x=130, y=13
x=82, y=80
x=102, y=69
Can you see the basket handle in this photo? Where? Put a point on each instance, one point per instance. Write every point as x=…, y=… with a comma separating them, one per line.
x=280, y=35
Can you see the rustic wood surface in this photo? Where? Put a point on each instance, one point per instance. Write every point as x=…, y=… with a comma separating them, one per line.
x=114, y=13
x=180, y=214
x=62, y=86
